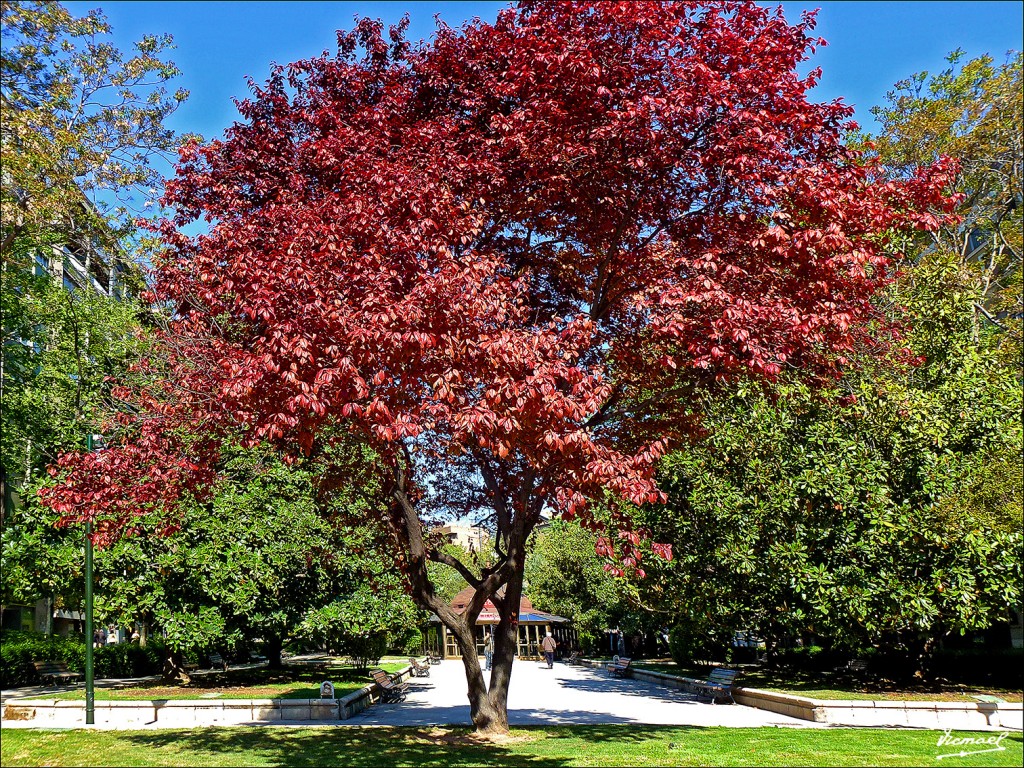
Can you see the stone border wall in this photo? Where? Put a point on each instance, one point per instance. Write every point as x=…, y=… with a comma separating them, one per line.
x=195, y=712
x=870, y=713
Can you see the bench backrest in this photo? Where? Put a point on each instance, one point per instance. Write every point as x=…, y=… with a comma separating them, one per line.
x=381, y=678
x=50, y=666
x=623, y=662
x=722, y=676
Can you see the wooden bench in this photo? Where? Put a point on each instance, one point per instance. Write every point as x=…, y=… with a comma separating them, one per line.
x=717, y=686
x=217, y=662
x=419, y=670
x=390, y=691
x=620, y=666
x=572, y=658
x=434, y=658
x=56, y=672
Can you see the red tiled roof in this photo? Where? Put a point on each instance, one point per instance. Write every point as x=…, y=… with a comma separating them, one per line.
x=461, y=600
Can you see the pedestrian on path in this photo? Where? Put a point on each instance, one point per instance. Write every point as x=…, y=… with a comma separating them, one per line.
x=548, y=644
x=489, y=650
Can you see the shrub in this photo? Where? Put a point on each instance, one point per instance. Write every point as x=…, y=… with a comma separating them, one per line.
x=19, y=649
x=981, y=666
x=409, y=644
x=690, y=641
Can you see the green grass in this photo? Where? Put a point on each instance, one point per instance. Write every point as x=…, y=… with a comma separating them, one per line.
x=258, y=683
x=831, y=686
x=542, y=746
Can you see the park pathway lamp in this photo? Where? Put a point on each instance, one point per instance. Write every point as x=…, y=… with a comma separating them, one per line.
x=92, y=442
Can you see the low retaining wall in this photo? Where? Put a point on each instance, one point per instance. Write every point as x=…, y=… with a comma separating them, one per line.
x=962, y=716
x=195, y=712
x=183, y=712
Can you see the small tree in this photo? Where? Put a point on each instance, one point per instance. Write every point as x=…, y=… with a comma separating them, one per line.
x=508, y=259
x=365, y=623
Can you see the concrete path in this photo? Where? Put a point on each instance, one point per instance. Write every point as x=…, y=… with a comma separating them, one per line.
x=564, y=695
x=537, y=696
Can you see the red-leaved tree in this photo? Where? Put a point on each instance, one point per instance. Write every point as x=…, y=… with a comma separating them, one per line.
x=510, y=259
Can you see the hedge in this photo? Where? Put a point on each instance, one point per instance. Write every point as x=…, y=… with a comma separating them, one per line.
x=19, y=649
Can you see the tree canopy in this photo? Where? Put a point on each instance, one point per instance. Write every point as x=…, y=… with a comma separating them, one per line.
x=82, y=124
x=508, y=259
x=887, y=511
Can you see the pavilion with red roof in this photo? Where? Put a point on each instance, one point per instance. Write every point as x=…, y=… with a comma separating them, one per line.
x=533, y=625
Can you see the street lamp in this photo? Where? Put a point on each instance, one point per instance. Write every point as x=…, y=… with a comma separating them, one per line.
x=92, y=441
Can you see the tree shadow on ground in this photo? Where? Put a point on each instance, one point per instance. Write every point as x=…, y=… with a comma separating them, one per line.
x=422, y=714
x=376, y=746
x=356, y=747
x=628, y=686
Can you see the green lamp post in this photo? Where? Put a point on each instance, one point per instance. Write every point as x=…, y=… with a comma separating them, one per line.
x=90, y=690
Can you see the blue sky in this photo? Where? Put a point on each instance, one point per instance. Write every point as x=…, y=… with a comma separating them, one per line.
x=871, y=44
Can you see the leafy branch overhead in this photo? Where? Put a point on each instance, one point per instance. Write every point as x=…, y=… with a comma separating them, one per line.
x=83, y=123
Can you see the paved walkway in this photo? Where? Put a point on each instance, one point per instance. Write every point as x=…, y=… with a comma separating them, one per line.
x=537, y=696
x=563, y=695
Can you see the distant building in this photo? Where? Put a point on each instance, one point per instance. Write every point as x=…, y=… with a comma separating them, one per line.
x=470, y=537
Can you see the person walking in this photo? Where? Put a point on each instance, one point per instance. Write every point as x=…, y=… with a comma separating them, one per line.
x=548, y=645
x=489, y=650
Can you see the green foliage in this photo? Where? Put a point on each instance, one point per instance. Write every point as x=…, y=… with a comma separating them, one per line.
x=565, y=577
x=695, y=638
x=809, y=515
x=60, y=351
x=244, y=567
x=82, y=124
x=366, y=623
x=19, y=649
x=972, y=110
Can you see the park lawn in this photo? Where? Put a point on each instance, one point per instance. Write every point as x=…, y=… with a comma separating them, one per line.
x=836, y=686
x=259, y=683
x=581, y=745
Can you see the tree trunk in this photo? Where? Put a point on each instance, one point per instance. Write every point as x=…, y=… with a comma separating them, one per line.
x=173, y=669
x=922, y=649
x=490, y=715
x=273, y=649
x=488, y=706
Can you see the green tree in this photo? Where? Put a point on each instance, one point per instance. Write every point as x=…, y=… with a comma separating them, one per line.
x=564, y=576
x=82, y=125
x=246, y=567
x=972, y=110
x=59, y=350
x=363, y=624
x=887, y=511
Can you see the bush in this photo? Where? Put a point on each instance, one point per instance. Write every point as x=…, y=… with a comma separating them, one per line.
x=690, y=642
x=814, y=658
x=366, y=651
x=19, y=649
x=411, y=644
x=1003, y=668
